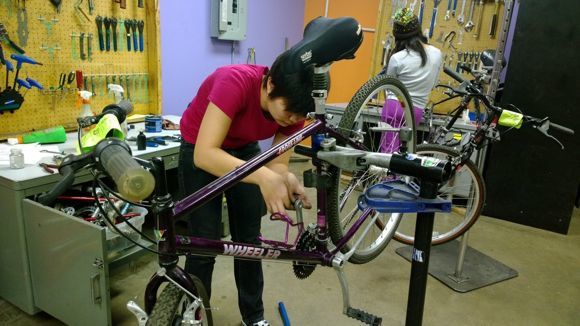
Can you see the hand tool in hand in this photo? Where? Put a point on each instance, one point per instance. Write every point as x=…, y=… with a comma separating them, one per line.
x=99, y=21
x=114, y=31
x=107, y=22
x=494, y=18
x=433, y=17
x=134, y=32
x=5, y=38
x=19, y=58
x=128, y=24
x=140, y=26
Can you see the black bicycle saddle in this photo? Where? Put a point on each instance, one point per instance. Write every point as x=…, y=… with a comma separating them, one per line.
x=325, y=40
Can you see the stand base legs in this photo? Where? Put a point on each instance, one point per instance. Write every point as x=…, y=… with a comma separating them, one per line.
x=479, y=270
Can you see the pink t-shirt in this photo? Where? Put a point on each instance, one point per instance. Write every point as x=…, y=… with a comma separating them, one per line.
x=236, y=91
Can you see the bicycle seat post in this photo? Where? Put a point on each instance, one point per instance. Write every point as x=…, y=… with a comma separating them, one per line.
x=320, y=88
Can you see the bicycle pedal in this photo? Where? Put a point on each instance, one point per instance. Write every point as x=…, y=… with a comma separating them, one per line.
x=363, y=316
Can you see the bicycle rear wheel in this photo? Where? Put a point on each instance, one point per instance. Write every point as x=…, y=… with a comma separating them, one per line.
x=172, y=303
x=360, y=116
x=466, y=190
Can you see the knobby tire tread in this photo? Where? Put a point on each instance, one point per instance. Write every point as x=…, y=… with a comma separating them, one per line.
x=346, y=124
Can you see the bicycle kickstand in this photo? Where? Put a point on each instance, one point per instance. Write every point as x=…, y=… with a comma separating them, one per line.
x=358, y=314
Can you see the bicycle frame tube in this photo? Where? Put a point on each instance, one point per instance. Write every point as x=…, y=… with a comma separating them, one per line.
x=223, y=183
x=195, y=245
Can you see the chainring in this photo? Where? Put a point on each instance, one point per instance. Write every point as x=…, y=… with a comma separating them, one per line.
x=307, y=242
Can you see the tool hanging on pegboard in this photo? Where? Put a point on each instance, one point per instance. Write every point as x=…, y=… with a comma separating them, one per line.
x=22, y=19
x=6, y=39
x=10, y=97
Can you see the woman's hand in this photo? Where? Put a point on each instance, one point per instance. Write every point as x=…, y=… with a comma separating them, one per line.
x=296, y=190
x=275, y=192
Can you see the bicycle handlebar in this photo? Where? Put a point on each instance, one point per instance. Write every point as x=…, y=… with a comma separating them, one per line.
x=453, y=75
x=561, y=128
x=133, y=182
x=68, y=174
x=112, y=156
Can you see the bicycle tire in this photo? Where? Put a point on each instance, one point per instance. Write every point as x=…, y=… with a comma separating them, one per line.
x=342, y=209
x=167, y=308
x=449, y=226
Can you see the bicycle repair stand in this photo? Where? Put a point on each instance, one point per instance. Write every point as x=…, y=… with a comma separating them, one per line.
x=420, y=258
x=473, y=269
x=425, y=204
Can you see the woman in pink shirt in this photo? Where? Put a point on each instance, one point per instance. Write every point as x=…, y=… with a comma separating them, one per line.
x=235, y=107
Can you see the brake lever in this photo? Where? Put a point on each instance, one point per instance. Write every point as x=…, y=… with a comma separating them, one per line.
x=543, y=127
x=77, y=162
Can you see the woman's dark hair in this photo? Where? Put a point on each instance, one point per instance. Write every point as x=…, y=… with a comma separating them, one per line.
x=414, y=43
x=295, y=88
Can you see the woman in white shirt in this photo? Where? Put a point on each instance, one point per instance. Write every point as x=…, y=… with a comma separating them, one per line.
x=416, y=64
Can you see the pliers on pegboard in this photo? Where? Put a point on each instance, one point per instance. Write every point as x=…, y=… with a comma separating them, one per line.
x=66, y=79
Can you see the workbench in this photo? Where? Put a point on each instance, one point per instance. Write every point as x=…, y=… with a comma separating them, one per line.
x=55, y=262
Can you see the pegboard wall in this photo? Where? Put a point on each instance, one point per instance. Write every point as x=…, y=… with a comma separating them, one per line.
x=67, y=42
x=457, y=43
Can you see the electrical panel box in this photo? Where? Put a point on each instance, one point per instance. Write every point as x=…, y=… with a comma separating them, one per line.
x=229, y=19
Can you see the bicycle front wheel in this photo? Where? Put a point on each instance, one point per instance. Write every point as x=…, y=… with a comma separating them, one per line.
x=171, y=307
x=360, y=120
x=465, y=190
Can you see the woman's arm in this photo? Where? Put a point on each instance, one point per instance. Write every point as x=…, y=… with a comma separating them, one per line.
x=210, y=157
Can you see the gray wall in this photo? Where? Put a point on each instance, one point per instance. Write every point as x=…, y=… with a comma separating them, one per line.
x=189, y=54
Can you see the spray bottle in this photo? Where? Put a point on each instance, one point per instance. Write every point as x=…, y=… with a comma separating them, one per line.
x=86, y=104
x=118, y=92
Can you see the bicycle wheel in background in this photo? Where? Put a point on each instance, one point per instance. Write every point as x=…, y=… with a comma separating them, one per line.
x=172, y=303
x=346, y=186
x=466, y=190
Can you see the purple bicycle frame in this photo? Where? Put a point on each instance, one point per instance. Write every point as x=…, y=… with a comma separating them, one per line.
x=196, y=245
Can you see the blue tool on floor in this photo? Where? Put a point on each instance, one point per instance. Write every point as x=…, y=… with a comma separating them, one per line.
x=283, y=314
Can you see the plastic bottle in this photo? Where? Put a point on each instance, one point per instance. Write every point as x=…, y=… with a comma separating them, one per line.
x=86, y=104
x=141, y=141
x=118, y=92
x=16, y=158
x=46, y=136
